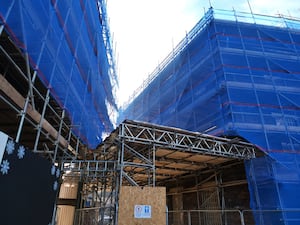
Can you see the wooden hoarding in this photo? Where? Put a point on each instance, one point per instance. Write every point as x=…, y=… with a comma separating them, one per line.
x=142, y=206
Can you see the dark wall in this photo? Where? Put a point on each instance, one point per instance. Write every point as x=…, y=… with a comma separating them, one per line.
x=28, y=188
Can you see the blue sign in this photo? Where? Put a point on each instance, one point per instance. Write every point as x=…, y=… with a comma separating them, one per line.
x=142, y=211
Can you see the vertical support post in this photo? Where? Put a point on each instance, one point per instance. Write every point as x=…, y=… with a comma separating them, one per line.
x=119, y=167
x=103, y=203
x=29, y=80
x=77, y=146
x=116, y=191
x=121, y=153
x=198, y=201
x=23, y=113
x=153, y=165
x=1, y=29
x=220, y=191
x=58, y=135
x=41, y=121
x=242, y=217
x=189, y=217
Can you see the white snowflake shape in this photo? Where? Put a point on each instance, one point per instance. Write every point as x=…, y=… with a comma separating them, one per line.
x=5, y=167
x=10, y=147
x=21, y=152
x=55, y=185
x=57, y=173
x=53, y=170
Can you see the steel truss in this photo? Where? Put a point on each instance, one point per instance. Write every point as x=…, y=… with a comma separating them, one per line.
x=182, y=140
x=140, y=148
x=144, y=146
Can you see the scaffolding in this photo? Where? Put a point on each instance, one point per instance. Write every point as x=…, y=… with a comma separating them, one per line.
x=62, y=53
x=142, y=154
x=235, y=75
x=57, y=90
x=232, y=73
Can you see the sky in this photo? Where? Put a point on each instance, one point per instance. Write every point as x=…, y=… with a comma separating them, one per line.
x=144, y=32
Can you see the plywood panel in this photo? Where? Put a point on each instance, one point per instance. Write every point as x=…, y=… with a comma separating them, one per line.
x=162, y=152
x=131, y=196
x=219, y=160
x=68, y=190
x=65, y=215
x=179, y=155
x=184, y=166
x=200, y=158
x=169, y=171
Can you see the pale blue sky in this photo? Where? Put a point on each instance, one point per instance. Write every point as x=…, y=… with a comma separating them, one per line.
x=145, y=31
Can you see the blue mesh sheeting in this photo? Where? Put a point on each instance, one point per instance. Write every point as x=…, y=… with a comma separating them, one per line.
x=240, y=78
x=65, y=43
x=274, y=186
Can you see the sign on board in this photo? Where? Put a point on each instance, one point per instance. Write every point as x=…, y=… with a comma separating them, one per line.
x=142, y=211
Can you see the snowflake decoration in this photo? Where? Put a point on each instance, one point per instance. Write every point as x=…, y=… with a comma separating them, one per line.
x=57, y=173
x=5, y=167
x=10, y=147
x=21, y=152
x=52, y=170
x=55, y=185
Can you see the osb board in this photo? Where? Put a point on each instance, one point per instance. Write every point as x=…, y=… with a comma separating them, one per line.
x=131, y=196
x=179, y=155
x=162, y=152
x=219, y=160
x=207, y=159
x=68, y=190
x=184, y=166
x=169, y=171
x=145, y=177
x=199, y=158
x=161, y=163
x=178, y=165
x=65, y=215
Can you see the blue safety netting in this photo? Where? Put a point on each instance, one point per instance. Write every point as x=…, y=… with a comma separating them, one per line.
x=235, y=74
x=67, y=42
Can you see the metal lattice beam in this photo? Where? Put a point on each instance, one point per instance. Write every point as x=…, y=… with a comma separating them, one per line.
x=177, y=139
x=89, y=169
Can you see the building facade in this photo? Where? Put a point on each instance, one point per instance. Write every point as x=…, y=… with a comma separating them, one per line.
x=236, y=75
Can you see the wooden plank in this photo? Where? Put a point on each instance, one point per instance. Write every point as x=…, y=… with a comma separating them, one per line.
x=184, y=166
x=169, y=171
x=19, y=100
x=162, y=152
x=179, y=155
x=65, y=215
x=200, y=158
x=132, y=196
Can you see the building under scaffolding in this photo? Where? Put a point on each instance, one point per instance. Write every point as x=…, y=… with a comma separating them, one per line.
x=237, y=75
x=57, y=81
